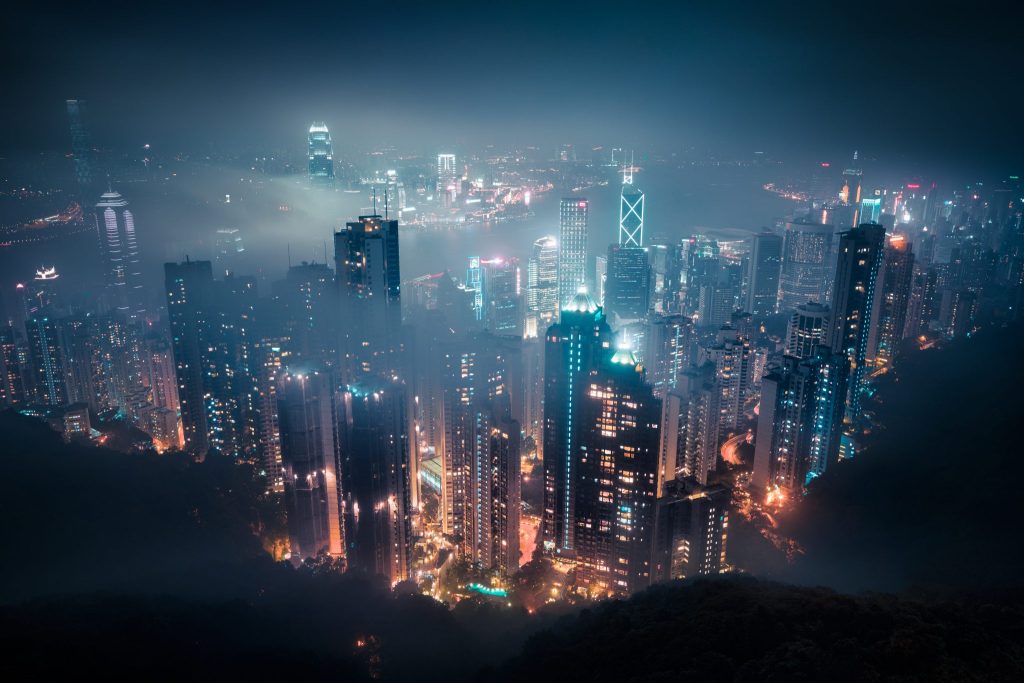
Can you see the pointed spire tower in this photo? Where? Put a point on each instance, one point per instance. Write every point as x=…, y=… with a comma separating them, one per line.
x=631, y=210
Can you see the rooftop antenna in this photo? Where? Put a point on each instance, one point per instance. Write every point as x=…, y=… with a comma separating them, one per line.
x=289, y=255
x=385, y=202
x=627, y=171
x=374, y=201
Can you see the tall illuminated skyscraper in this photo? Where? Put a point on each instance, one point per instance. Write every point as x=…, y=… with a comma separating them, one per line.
x=574, y=346
x=447, y=175
x=376, y=466
x=82, y=152
x=47, y=360
x=321, y=156
x=806, y=264
x=807, y=328
x=765, y=266
x=896, y=279
x=501, y=296
x=480, y=495
x=631, y=212
x=542, y=286
x=800, y=420
x=860, y=258
x=573, y=217
x=618, y=426
x=369, y=289
x=627, y=295
x=115, y=226
x=852, y=190
x=309, y=454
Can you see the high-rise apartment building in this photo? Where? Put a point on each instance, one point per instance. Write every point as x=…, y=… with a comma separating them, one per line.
x=47, y=360
x=800, y=420
x=307, y=419
x=808, y=326
x=691, y=526
x=892, y=298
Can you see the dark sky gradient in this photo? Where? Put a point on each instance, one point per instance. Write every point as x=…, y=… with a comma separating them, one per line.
x=916, y=81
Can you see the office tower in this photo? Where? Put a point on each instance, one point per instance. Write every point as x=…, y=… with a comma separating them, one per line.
x=115, y=227
x=377, y=478
x=574, y=346
x=447, y=179
x=800, y=419
x=806, y=264
x=573, y=215
x=666, y=351
x=321, y=156
x=475, y=285
x=542, y=286
x=369, y=289
x=700, y=265
x=307, y=303
x=47, y=361
x=765, y=267
x=271, y=360
x=227, y=249
x=82, y=153
x=719, y=295
x=617, y=424
x=600, y=278
x=189, y=289
x=12, y=384
x=309, y=458
x=860, y=257
x=733, y=359
x=691, y=524
x=628, y=287
x=871, y=209
x=631, y=212
x=501, y=296
x=892, y=297
x=850, y=195
x=807, y=328
x=480, y=462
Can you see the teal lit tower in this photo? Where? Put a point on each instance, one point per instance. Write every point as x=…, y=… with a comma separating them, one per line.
x=631, y=211
x=321, y=156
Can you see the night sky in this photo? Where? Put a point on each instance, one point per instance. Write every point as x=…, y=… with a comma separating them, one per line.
x=919, y=82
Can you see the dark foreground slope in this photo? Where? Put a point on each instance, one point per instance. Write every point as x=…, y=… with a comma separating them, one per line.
x=743, y=629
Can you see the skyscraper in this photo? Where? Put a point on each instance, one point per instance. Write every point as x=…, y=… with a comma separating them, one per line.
x=631, y=212
x=860, y=257
x=309, y=455
x=690, y=530
x=541, y=286
x=189, y=287
x=447, y=187
x=733, y=360
x=480, y=463
x=628, y=287
x=502, y=296
x=12, y=384
x=806, y=264
x=618, y=427
x=82, y=152
x=377, y=480
x=369, y=288
x=807, y=328
x=690, y=417
x=321, y=156
x=115, y=227
x=574, y=346
x=667, y=350
x=892, y=297
x=47, y=360
x=270, y=358
x=765, y=266
x=800, y=420
x=573, y=216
